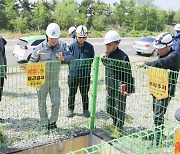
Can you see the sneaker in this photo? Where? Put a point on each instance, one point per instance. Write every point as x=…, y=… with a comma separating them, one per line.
x=1, y=120
x=116, y=133
x=155, y=143
x=70, y=113
x=111, y=127
x=52, y=126
x=86, y=113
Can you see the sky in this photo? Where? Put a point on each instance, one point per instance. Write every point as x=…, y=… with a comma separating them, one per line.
x=163, y=4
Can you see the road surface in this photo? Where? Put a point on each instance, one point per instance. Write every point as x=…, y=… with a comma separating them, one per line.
x=125, y=45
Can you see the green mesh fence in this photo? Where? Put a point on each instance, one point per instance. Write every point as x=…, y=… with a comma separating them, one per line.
x=139, y=105
x=21, y=124
x=136, y=143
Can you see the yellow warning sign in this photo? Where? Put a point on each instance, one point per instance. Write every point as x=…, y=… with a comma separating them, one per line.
x=177, y=142
x=158, y=80
x=36, y=74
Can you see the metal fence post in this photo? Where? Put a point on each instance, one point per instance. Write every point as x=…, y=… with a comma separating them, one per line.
x=94, y=92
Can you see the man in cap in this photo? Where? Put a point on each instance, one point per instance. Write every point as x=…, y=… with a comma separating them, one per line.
x=168, y=59
x=51, y=51
x=79, y=71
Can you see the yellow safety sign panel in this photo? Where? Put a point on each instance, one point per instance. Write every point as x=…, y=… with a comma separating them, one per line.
x=36, y=74
x=158, y=80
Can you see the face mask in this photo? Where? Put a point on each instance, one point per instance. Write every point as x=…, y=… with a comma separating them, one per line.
x=177, y=33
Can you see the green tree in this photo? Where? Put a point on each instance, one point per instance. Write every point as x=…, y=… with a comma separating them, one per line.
x=119, y=12
x=25, y=10
x=99, y=22
x=87, y=9
x=171, y=14
x=11, y=13
x=129, y=13
x=65, y=13
x=3, y=18
x=100, y=15
x=177, y=16
x=41, y=16
x=21, y=24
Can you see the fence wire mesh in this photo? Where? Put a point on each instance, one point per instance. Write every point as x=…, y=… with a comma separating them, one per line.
x=136, y=143
x=21, y=125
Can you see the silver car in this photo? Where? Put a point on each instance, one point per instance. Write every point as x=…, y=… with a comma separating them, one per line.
x=145, y=46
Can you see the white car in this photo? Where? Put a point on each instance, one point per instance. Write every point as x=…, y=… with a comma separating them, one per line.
x=25, y=45
x=145, y=46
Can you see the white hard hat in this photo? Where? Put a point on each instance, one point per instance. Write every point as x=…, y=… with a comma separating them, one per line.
x=81, y=31
x=177, y=27
x=163, y=40
x=71, y=30
x=111, y=36
x=53, y=30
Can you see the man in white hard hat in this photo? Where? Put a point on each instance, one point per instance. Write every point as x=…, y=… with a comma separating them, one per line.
x=119, y=81
x=176, y=38
x=3, y=67
x=79, y=71
x=168, y=59
x=52, y=51
x=72, y=32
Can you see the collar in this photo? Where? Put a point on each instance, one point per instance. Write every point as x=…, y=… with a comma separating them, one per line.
x=47, y=46
x=81, y=45
x=109, y=54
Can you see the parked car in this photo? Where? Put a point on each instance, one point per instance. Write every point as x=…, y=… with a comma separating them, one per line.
x=25, y=45
x=145, y=46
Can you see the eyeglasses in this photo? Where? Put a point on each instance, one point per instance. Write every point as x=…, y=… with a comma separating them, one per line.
x=81, y=37
x=109, y=44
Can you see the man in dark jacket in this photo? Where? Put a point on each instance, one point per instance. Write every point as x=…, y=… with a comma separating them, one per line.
x=168, y=59
x=176, y=38
x=119, y=80
x=79, y=71
x=3, y=67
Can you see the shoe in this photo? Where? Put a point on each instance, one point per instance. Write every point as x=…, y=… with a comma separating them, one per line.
x=155, y=143
x=52, y=126
x=1, y=120
x=70, y=113
x=116, y=133
x=86, y=113
x=111, y=127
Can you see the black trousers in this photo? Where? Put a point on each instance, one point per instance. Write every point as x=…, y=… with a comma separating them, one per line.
x=1, y=86
x=84, y=84
x=159, y=110
x=116, y=105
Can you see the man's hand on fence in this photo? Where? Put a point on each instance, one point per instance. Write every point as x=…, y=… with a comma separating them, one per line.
x=23, y=67
x=139, y=64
